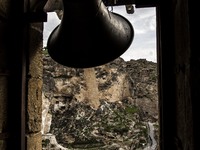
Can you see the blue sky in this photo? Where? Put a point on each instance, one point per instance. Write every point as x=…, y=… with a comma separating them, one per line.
x=144, y=24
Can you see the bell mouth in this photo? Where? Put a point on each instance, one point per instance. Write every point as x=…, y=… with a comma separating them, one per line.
x=90, y=42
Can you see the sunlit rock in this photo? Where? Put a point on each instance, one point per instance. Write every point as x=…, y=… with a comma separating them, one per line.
x=109, y=107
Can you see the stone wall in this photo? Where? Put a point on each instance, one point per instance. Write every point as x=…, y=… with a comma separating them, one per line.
x=33, y=111
x=35, y=81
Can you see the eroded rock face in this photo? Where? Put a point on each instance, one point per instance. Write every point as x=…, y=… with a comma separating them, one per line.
x=110, y=109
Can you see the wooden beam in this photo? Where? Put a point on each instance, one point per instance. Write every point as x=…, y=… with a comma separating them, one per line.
x=138, y=3
x=53, y=5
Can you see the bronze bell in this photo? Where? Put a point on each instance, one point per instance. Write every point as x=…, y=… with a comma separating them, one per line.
x=89, y=35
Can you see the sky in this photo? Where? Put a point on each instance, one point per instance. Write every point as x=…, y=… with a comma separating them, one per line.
x=143, y=21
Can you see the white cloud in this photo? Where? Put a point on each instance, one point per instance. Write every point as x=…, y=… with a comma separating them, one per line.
x=52, y=22
x=144, y=42
x=144, y=24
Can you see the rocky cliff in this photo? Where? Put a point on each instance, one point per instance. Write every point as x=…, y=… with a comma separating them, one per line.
x=113, y=106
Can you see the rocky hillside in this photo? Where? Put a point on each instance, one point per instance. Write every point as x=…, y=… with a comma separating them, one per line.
x=109, y=107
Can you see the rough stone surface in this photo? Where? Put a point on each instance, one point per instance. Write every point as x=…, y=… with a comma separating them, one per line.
x=35, y=57
x=34, y=105
x=34, y=81
x=127, y=105
x=34, y=141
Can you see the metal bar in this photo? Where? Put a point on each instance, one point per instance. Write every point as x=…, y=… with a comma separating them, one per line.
x=118, y=2
x=138, y=3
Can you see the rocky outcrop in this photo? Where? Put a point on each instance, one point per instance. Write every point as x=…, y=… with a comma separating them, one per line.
x=106, y=107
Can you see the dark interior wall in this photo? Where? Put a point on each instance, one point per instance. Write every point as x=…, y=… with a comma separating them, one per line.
x=14, y=43
x=166, y=63
x=195, y=69
x=183, y=74
x=179, y=76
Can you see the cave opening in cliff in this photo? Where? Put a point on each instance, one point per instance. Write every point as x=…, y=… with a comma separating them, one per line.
x=111, y=106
